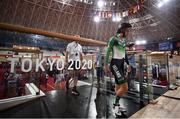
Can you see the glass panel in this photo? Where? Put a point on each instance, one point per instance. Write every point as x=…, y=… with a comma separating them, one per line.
x=157, y=75
x=38, y=60
x=174, y=71
x=20, y=62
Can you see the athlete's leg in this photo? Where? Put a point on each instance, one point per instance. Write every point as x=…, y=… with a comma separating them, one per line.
x=75, y=78
x=117, y=87
x=117, y=68
x=123, y=83
x=123, y=88
x=76, y=74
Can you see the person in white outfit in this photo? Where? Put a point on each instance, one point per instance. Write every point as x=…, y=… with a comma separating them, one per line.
x=73, y=59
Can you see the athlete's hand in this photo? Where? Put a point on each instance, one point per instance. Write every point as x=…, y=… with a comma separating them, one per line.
x=106, y=69
x=129, y=68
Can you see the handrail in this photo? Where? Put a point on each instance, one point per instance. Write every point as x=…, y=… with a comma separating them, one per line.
x=70, y=38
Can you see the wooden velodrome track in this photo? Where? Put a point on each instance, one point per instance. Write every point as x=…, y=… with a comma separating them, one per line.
x=168, y=106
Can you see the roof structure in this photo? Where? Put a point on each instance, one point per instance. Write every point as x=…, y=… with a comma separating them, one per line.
x=76, y=17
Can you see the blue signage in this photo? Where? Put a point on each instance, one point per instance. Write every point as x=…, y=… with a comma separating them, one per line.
x=165, y=46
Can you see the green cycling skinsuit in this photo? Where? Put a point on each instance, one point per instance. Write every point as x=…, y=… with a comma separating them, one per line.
x=118, y=48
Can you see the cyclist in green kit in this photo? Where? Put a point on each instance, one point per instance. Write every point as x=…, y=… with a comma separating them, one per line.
x=117, y=46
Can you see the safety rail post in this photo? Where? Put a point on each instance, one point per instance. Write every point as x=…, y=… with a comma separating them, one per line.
x=168, y=78
x=141, y=79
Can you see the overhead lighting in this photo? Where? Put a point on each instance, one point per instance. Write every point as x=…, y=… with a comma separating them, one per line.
x=160, y=4
x=114, y=3
x=100, y=3
x=165, y=1
x=116, y=19
x=96, y=19
x=170, y=38
x=105, y=3
x=36, y=36
x=140, y=42
x=85, y=1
